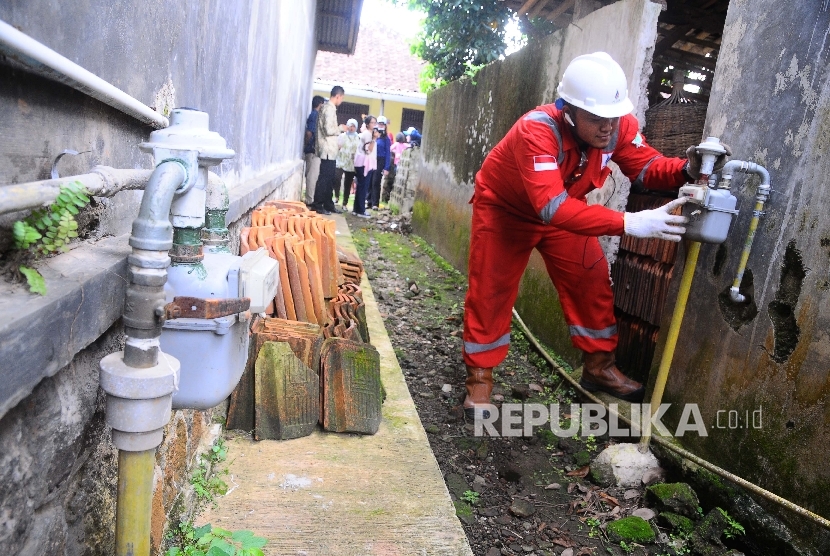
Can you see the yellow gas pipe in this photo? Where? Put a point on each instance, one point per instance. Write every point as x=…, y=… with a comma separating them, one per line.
x=134, y=506
x=671, y=340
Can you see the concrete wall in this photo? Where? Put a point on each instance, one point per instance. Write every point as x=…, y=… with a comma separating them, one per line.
x=249, y=65
x=771, y=103
x=465, y=119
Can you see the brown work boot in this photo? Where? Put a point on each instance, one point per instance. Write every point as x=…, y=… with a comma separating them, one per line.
x=479, y=387
x=600, y=373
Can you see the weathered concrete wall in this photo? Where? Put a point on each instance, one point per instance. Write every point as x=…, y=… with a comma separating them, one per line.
x=249, y=65
x=771, y=103
x=465, y=119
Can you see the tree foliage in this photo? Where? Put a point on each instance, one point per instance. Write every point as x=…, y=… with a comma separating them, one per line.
x=459, y=37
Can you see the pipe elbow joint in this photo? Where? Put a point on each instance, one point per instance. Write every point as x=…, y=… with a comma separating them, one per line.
x=736, y=296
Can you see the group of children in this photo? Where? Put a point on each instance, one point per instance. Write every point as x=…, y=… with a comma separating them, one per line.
x=366, y=158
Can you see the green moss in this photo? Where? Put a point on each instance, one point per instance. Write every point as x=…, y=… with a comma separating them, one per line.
x=630, y=529
x=583, y=458
x=676, y=522
x=420, y=214
x=675, y=497
x=464, y=511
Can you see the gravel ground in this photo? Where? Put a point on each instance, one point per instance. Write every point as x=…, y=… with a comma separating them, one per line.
x=514, y=495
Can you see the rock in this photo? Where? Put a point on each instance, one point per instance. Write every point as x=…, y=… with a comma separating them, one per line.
x=456, y=484
x=504, y=520
x=677, y=498
x=521, y=392
x=645, y=513
x=432, y=429
x=527, y=548
x=706, y=537
x=582, y=458
x=511, y=473
x=464, y=512
x=567, y=552
x=622, y=465
x=630, y=529
x=493, y=552
x=522, y=508
x=427, y=395
x=535, y=388
x=676, y=522
x=569, y=445
x=498, y=398
x=415, y=254
x=553, y=486
x=654, y=476
x=489, y=512
x=447, y=388
x=631, y=494
x=414, y=288
x=479, y=480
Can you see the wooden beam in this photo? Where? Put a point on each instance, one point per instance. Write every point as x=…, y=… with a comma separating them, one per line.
x=538, y=9
x=670, y=37
x=526, y=7
x=582, y=8
x=690, y=60
x=563, y=7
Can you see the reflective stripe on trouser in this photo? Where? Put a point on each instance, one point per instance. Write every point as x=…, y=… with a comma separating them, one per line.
x=500, y=248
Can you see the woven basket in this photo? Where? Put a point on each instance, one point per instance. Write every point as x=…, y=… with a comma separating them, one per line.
x=676, y=123
x=672, y=128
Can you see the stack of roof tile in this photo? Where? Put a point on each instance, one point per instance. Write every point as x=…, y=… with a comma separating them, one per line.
x=304, y=244
x=642, y=275
x=313, y=362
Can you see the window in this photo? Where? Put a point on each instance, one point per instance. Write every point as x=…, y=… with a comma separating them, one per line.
x=348, y=110
x=412, y=118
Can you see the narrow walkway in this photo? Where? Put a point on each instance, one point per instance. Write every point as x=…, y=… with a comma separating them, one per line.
x=344, y=494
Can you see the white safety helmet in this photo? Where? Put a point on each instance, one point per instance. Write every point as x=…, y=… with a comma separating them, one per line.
x=597, y=84
x=382, y=120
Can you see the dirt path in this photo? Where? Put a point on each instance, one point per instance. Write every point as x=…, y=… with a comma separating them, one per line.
x=514, y=495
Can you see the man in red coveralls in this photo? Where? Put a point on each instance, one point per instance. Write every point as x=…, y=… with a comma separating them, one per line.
x=530, y=193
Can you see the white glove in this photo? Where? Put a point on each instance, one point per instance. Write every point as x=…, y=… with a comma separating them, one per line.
x=659, y=222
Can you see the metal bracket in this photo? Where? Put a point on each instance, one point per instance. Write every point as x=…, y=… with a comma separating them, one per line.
x=198, y=308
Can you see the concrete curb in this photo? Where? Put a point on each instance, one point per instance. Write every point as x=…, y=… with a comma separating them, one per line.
x=346, y=494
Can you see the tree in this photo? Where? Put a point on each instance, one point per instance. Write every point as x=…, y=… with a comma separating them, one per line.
x=459, y=37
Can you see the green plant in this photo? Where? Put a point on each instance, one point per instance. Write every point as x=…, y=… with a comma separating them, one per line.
x=394, y=208
x=471, y=497
x=591, y=443
x=594, y=524
x=207, y=485
x=627, y=548
x=214, y=541
x=50, y=229
x=733, y=528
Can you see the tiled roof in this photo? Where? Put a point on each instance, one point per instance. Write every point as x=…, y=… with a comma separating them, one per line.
x=381, y=60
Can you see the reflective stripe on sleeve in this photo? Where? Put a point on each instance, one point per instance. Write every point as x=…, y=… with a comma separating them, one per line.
x=639, y=180
x=605, y=333
x=553, y=205
x=545, y=118
x=471, y=347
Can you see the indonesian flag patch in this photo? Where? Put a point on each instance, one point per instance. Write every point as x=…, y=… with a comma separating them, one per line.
x=544, y=162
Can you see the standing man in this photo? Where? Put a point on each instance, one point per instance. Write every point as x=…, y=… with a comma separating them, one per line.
x=327, y=133
x=530, y=194
x=312, y=161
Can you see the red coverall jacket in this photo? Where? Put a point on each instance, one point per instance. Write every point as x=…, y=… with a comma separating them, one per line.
x=530, y=193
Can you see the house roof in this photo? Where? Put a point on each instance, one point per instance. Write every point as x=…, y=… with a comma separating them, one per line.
x=381, y=60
